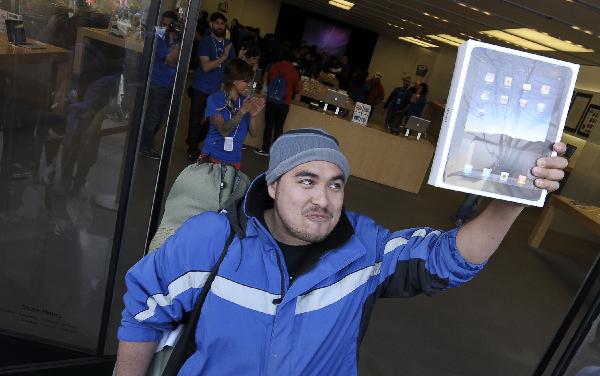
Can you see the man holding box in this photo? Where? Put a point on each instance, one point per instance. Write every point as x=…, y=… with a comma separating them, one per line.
x=294, y=295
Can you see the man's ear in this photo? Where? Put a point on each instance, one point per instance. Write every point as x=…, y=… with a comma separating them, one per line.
x=272, y=188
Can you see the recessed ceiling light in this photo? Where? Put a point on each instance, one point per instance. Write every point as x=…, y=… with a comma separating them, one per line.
x=487, y=13
x=418, y=42
x=463, y=5
x=547, y=40
x=343, y=4
x=510, y=38
x=389, y=24
x=575, y=27
x=448, y=39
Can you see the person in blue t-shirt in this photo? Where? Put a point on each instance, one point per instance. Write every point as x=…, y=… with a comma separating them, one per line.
x=418, y=101
x=213, y=52
x=397, y=104
x=231, y=115
x=164, y=68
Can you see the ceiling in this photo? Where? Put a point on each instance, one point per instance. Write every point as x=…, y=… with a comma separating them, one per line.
x=577, y=21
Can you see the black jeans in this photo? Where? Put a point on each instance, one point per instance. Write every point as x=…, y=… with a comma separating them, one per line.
x=275, y=116
x=197, y=129
x=156, y=111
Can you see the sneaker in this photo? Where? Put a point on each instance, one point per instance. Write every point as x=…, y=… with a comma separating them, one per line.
x=150, y=153
x=262, y=152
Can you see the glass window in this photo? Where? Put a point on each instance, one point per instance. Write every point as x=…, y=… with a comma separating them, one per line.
x=72, y=82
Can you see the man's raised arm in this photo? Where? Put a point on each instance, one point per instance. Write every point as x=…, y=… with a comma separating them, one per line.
x=479, y=238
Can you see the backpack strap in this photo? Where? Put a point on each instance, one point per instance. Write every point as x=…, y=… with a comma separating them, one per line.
x=186, y=345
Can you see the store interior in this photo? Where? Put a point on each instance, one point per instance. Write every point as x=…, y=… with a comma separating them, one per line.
x=79, y=203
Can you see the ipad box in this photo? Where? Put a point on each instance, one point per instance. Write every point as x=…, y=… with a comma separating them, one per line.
x=506, y=108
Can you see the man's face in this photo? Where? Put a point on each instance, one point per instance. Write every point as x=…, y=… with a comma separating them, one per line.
x=218, y=28
x=308, y=202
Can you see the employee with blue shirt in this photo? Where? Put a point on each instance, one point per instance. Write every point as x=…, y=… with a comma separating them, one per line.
x=166, y=53
x=231, y=115
x=213, y=52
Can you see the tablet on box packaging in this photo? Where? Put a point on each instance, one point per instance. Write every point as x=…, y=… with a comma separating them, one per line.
x=506, y=108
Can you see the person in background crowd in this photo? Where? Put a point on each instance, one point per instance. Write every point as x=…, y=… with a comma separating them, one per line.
x=357, y=89
x=341, y=71
x=268, y=47
x=306, y=65
x=234, y=30
x=418, y=101
x=164, y=69
x=332, y=64
x=213, y=52
x=276, y=113
x=397, y=104
x=231, y=115
x=250, y=54
x=317, y=59
x=201, y=26
x=376, y=93
x=467, y=209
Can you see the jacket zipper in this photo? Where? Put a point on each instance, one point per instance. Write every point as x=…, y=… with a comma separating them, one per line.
x=282, y=279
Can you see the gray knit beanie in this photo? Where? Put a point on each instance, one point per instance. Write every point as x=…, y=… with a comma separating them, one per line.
x=299, y=146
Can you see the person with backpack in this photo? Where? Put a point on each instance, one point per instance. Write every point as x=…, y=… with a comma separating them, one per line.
x=284, y=281
x=283, y=82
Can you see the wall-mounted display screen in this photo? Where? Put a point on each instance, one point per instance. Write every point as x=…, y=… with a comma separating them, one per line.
x=327, y=37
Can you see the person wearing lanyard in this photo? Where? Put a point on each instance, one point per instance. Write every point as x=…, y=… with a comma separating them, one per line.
x=231, y=115
x=213, y=52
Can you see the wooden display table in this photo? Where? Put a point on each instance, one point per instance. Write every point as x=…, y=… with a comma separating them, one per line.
x=12, y=56
x=330, y=80
x=373, y=155
x=587, y=215
x=103, y=35
x=319, y=95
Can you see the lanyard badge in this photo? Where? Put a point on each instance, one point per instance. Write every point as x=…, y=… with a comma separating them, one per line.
x=228, y=145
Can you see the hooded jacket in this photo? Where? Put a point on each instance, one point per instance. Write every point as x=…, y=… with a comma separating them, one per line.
x=253, y=321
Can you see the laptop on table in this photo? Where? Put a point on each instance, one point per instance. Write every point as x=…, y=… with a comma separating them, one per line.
x=418, y=125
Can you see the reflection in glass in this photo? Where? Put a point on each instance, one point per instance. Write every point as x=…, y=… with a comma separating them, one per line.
x=66, y=108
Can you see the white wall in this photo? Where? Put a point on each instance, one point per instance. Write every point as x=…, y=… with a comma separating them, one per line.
x=257, y=13
x=584, y=183
x=393, y=58
x=589, y=79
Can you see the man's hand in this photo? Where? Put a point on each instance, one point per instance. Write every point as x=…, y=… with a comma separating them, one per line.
x=550, y=170
x=479, y=239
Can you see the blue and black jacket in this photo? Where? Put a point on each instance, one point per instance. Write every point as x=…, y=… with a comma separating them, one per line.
x=253, y=321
